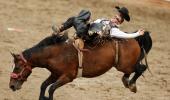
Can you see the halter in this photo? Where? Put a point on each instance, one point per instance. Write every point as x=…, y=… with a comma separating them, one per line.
x=18, y=76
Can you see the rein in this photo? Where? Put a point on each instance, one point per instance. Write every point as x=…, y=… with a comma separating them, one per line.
x=19, y=76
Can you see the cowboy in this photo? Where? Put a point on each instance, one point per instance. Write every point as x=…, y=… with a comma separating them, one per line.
x=112, y=25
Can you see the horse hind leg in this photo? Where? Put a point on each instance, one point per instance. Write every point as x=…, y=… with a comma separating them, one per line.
x=125, y=80
x=140, y=68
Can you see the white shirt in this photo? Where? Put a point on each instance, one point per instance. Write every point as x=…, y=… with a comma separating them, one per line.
x=115, y=32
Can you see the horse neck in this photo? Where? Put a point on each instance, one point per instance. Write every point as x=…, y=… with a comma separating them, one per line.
x=36, y=56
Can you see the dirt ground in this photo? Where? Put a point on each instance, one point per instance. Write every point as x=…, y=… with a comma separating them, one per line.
x=35, y=18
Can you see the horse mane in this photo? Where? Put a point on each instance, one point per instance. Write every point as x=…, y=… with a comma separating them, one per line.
x=48, y=41
x=96, y=40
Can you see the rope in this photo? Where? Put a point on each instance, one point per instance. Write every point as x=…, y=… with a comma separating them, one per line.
x=145, y=55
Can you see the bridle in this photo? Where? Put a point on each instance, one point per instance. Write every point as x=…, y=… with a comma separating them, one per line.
x=26, y=66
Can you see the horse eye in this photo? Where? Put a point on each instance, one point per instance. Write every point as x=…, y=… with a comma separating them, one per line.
x=15, y=61
x=16, y=68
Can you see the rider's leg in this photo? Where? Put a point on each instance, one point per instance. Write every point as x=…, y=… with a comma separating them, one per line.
x=58, y=29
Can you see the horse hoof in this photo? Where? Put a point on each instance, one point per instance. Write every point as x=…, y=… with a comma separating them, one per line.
x=133, y=88
x=44, y=98
x=125, y=82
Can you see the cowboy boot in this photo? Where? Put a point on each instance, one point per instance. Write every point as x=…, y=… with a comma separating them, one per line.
x=58, y=29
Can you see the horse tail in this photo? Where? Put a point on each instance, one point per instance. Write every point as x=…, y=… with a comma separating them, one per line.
x=145, y=43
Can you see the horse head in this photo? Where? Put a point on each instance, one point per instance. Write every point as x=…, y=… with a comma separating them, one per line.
x=22, y=69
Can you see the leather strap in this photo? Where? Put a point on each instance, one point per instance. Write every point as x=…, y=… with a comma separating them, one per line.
x=78, y=44
x=117, y=54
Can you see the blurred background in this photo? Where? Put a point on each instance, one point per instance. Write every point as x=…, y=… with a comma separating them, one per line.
x=34, y=19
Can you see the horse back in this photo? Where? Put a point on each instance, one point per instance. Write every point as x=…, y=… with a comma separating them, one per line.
x=99, y=59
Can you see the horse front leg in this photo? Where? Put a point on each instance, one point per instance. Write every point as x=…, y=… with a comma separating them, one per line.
x=125, y=80
x=44, y=86
x=60, y=82
x=138, y=72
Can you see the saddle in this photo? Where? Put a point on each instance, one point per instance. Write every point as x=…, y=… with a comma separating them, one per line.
x=95, y=28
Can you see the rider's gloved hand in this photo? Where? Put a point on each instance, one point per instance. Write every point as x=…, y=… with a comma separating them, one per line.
x=141, y=31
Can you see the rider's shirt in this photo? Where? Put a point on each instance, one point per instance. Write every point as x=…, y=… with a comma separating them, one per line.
x=114, y=30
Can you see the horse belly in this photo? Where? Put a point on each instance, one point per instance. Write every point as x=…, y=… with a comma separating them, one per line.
x=97, y=63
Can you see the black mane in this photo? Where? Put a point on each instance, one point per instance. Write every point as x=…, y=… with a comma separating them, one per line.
x=96, y=40
x=50, y=40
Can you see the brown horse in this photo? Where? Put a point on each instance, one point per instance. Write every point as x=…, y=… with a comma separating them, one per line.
x=59, y=56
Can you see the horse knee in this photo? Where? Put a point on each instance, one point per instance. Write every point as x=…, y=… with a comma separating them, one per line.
x=140, y=68
x=44, y=85
x=60, y=82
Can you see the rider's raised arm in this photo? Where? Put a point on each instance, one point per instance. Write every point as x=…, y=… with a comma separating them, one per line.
x=115, y=32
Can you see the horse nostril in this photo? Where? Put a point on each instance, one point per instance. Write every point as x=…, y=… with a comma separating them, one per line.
x=12, y=87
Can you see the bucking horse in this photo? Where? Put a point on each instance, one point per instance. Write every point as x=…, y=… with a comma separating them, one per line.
x=59, y=56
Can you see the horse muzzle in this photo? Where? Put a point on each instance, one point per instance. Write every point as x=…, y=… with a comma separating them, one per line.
x=15, y=85
x=13, y=88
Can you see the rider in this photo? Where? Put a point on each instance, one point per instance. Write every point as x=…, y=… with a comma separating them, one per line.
x=113, y=24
